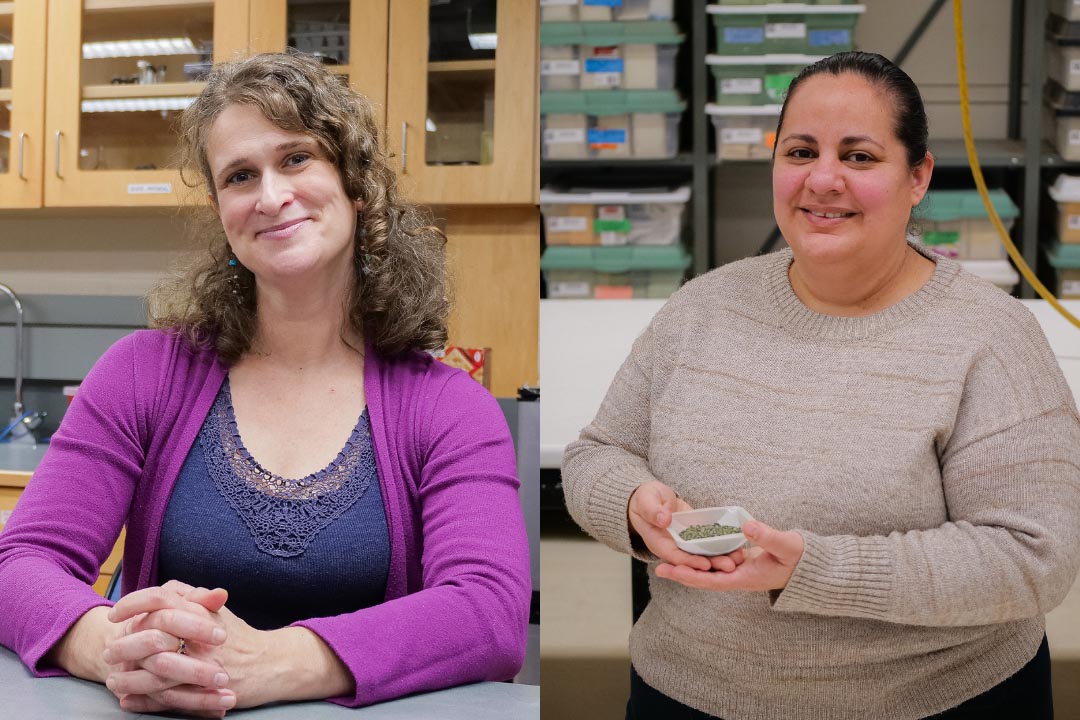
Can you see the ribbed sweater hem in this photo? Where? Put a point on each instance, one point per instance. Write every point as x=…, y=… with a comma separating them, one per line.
x=902, y=689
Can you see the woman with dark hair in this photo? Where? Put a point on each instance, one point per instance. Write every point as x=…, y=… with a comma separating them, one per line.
x=282, y=439
x=899, y=428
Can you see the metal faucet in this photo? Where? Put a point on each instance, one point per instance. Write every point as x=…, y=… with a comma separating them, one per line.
x=21, y=427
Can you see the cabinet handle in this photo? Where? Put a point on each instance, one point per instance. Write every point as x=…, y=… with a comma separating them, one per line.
x=22, y=145
x=56, y=157
x=404, y=145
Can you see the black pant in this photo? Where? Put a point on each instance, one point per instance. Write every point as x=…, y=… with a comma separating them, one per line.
x=1026, y=695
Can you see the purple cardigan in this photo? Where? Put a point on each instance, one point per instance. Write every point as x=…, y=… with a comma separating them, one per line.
x=458, y=590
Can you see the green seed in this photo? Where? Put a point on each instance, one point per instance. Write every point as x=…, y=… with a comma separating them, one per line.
x=698, y=532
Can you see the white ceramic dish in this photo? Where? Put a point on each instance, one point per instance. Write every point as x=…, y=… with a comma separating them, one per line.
x=720, y=545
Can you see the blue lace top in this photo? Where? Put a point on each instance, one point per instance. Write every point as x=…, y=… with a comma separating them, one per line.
x=285, y=549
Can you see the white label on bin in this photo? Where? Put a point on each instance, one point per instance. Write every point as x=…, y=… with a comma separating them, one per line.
x=1074, y=67
x=560, y=67
x=742, y=136
x=1074, y=222
x=564, y=135
x=604, y=69
x=567, y=224
x=149, y=188
x=544, y=3
x=1074, y=137
x=569, y=290
x=741, y=86
x=612, y=238
x=611, y=212
x=1069, y=287
x=785, y=31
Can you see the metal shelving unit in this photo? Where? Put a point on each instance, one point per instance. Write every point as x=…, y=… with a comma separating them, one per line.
x=1023, y=160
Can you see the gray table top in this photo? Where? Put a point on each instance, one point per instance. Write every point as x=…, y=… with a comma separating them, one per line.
x=29, y=698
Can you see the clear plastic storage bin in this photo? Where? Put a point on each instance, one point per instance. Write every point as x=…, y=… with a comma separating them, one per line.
x=784, y=28
x=1066, y=9
x=755, y=79
x=1063, y=65
x=1064, y=127
x=1066, y=193
x=614, y=217
x=744, y=132
x=954, y=223
x=605, y=10
x=591, y=56
x=609, y=273
x=1066, y=260
x=610, y=125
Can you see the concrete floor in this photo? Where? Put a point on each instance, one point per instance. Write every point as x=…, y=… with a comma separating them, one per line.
x=586, y=618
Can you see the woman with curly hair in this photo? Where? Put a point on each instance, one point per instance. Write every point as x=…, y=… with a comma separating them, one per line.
x=280, y=438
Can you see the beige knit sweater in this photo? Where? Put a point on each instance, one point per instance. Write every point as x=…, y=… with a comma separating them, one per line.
x=929, y=454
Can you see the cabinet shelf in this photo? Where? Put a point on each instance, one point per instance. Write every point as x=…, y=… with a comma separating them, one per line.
x=682, y=160
x=105, y=92
x=462, y=66
x=93, y=5
x=5, y=95
x=7, y=8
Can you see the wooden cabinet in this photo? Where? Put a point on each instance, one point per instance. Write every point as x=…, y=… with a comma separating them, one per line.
x=463, y=129
x=80, y=133
x=351, y=33
x=11, y=487
x=22, y=102
x=110, y=143
x=455, y=85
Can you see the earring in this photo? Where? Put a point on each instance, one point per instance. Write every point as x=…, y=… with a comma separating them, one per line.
x=234, y=279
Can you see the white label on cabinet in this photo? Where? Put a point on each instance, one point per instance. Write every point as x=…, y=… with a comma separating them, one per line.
x=544, y=3
x=4, y=516
x=1074, y=222
x=569, y=290
x=741, y=86
x=1070, y=287
x=564, y=135
x=567, y=224
x=1074, y=137
x=1074, y=67
x=781, y=31
x=560, y=67
x=149, y=188
x=742, y=136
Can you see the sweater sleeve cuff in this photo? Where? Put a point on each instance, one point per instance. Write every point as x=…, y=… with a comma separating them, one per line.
x=839, y=575
x=608, y=509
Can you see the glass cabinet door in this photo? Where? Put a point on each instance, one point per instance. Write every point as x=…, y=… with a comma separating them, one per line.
x=22, y=101
x=461, y=103
x=349, y=36
x=119, y=74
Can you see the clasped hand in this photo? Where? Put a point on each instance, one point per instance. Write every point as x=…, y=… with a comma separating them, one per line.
x=148, y=674
x=767, y=565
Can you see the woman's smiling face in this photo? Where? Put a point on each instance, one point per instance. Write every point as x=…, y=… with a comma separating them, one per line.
x=280, y=199
x=842, y=186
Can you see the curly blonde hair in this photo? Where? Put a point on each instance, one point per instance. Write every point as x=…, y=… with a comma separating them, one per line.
x=400, y=297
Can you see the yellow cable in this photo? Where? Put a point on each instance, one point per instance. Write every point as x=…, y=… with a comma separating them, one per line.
x=980, y=182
